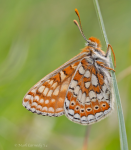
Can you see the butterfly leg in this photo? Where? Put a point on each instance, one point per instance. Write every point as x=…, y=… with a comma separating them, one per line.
x=107, y=53
x=102, y=64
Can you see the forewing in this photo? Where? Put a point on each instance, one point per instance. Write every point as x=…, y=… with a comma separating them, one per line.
x=48, y=95
x=88, y=98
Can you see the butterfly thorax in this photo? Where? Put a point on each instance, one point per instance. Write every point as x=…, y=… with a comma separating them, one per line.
x=93, y=49
x=94, y=45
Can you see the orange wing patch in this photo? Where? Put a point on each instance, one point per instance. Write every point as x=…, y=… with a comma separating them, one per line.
x=48, y=98
x=86, y=101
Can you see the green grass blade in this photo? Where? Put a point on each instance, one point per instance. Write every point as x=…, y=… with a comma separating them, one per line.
x=123, y=136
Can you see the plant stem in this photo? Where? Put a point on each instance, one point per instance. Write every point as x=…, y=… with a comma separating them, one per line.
x=123, y=136
x=88, y=128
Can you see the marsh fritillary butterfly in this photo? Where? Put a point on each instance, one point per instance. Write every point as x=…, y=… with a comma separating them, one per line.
x=81, y=88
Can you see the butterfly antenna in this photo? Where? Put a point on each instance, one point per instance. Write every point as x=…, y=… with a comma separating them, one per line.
x=79, y=26
x=77, y=13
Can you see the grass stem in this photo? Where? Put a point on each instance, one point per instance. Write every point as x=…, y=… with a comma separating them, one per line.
x=122, y=129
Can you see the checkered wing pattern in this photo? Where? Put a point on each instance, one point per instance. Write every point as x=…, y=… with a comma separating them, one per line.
x=89, y=95
x=81, y=88
x=48, y=95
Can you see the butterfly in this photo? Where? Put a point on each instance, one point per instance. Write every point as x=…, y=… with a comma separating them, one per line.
x=81, y=88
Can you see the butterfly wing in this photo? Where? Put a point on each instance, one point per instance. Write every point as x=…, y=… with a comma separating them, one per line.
x=89, y=94
x=48, y=95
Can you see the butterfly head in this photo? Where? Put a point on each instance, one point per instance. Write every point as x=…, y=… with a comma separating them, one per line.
x=93, y=47
x=94, y=42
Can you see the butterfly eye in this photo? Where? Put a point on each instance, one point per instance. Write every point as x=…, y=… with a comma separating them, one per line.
x=89, y=109
x=96, y=107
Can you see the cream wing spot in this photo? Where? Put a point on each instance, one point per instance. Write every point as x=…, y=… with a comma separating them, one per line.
x=27, y=105
x=104, y=88
x=56, y=91
x=62, y=75
x=64, y=86
x=34, y=104
x=41, y=89
x=81, y=70
x=50, y=93
x=77, y=88
x=77, y=117
x=45, y=91
x=92, y=95
x=94, y=80
x=44, y=109
x=100, y=96
x=107, y=96
x=52, y=100
x=99, y=115
x=61, y=99
x=83, y=98
x=87, y=74
x=42, y=100
x=54, y=85
x=59, y=109
x=31, y=99
x=28, y=102
x=87, y=84
x=51, y=82
x=39, y=107
x=79, y=95
x=73, y=84
x=87, y=100
x=28, y=97
x=33, y=91
x=46, y=101
x=51, y=109
x=67, y=102
x=36, y=98
x=84, y=120
x=91, y=118
x=71, y=112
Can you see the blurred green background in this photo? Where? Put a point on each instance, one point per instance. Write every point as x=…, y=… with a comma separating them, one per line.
x=36, y=37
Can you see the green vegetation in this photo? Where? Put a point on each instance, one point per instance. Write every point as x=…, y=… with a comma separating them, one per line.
x=123, y=136
x=36, y=37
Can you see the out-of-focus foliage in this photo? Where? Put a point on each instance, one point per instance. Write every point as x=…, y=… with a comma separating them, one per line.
x=36, y=37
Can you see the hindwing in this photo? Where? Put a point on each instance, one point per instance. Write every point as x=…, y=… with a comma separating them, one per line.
x=89, y=95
